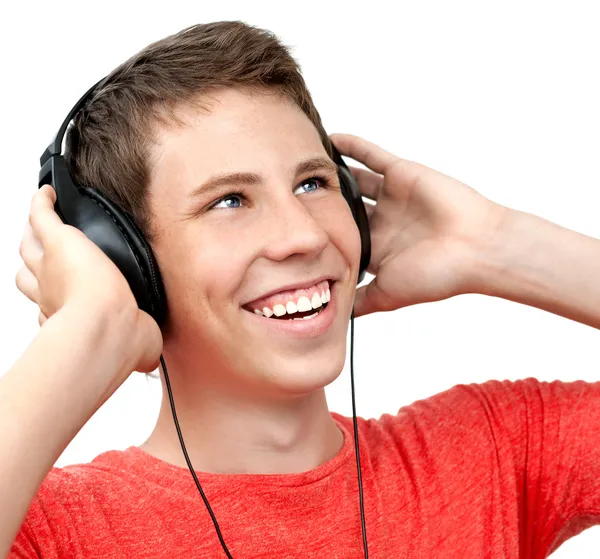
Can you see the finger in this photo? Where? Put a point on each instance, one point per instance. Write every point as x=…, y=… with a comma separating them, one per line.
x=369, y=183
x=42, y=318
x=30, y=249
x=371, y=155
x=44, y=220
x=27, y=284
x=369, y=298
x=49, y=192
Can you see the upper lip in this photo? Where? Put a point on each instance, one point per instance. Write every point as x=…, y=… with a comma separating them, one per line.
x=297, y=285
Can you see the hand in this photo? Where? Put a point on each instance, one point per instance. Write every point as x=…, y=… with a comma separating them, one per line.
x=426, y=229
x=62, y=267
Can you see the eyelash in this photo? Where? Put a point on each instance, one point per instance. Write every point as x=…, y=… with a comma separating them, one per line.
x=324, y=183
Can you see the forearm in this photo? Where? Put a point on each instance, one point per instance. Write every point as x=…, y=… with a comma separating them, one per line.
x=45, y=398
x=538, y=263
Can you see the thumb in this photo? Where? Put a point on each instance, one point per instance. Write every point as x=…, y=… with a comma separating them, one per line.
x=42, y=216
x=369, y=299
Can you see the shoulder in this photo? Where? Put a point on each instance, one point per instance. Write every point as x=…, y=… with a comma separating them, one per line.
x=487, y=416
x=460, y=406
x=468, y=416
x=88, y=484
x=66, y=500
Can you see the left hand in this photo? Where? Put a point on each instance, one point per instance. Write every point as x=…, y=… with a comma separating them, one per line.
x=427, y=229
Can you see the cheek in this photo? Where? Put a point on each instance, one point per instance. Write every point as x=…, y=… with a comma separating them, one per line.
x=190, y=268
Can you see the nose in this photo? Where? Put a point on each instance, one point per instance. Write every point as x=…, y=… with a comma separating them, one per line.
x=294, y=230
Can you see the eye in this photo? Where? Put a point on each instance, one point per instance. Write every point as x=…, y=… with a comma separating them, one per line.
x=319, y=181
x=229, y=196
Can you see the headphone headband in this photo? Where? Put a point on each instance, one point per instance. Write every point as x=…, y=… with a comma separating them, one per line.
x=55, y=147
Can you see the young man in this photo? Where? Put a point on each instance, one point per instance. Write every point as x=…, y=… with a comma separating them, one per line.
x=493, y=470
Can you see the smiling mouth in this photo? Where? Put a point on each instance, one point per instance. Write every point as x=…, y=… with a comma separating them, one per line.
x=301, y=315
x=310, y=309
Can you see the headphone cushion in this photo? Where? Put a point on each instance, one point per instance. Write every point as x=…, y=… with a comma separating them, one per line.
x=117, y=235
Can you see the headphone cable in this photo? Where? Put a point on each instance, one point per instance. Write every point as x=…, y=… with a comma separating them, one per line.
x=189, y=462
x=357, y=453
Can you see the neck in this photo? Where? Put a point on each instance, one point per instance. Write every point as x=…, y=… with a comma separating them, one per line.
x=227, y=434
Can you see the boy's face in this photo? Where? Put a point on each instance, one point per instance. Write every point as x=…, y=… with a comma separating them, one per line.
x=284, y=230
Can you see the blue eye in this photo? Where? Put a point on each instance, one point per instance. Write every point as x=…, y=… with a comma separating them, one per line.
x=239, y=195
x=231, y=196
x=313, y=180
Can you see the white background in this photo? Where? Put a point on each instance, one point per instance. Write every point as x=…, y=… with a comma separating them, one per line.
x=502, y=96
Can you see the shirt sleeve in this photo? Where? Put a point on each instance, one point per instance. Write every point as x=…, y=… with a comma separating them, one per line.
x=553, y=430
x=22, y=548
x=25, y=546
x=46, y=531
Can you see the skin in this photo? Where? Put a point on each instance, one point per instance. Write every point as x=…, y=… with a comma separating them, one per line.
x=247, y=400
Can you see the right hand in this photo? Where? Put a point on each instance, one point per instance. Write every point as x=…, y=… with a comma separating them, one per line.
x=63, y=268
x=430, y=233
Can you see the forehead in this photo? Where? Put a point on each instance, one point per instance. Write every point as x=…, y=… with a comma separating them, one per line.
x=233, y=131
x=236, y=127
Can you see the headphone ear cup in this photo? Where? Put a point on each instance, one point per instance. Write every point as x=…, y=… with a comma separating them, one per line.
x=112, y=230
x=353, y=196
x=357, y=206
x=117, y=235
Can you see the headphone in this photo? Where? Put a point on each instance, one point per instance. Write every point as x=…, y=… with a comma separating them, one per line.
x=115, y=232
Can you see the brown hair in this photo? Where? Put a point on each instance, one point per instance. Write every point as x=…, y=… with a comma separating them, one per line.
x=109, y=145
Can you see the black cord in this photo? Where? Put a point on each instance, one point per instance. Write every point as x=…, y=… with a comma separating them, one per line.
x=189, y=463
x=357, y=452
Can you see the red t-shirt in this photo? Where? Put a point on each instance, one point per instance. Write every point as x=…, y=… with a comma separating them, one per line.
x=494, y=470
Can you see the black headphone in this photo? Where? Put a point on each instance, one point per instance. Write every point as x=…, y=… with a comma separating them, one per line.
x=118, y=236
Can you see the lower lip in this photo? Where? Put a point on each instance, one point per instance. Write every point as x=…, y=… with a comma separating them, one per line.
x=302, y=328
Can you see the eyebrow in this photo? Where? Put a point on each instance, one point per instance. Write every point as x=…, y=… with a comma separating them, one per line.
x=232, y=179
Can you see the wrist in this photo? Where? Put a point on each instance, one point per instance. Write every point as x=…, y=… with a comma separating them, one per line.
x=105, y=329
x=495, y=255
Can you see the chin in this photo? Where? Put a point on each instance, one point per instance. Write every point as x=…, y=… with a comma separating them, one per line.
x=301, y=376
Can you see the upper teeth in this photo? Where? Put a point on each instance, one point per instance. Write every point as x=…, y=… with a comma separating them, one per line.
x=303, y=304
